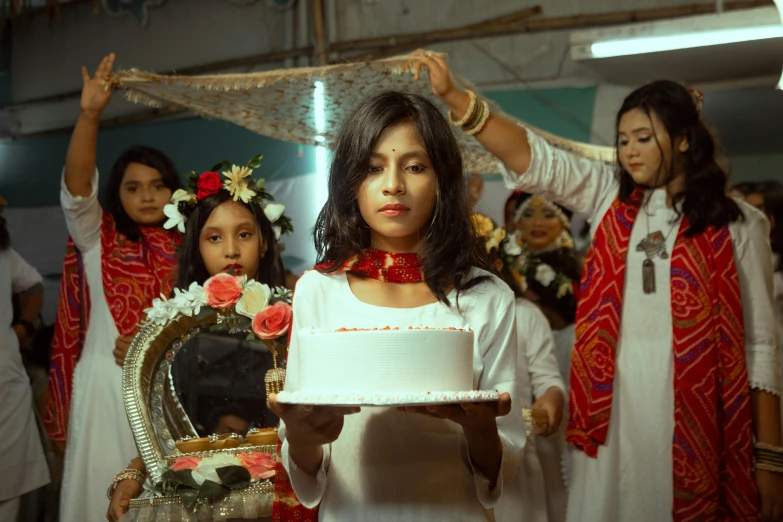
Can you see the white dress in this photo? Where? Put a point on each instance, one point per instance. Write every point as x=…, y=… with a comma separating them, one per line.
x=637, y=456
x=392, y=466
x=99, y=439
x=527, y=497
x=23, y=466
x=778, y=286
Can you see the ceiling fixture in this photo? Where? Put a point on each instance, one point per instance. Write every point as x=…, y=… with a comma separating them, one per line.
x=656, y=44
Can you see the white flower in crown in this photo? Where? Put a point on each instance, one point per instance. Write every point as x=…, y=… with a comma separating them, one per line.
x=545, y=274
x=181, y=195
x=565, y=288
x=512, y=246
x=273, y=211
x=175, y=218
x=190, y=301
x=255, y=298
x=207, y=468
x=236, y=184
x=493, y=241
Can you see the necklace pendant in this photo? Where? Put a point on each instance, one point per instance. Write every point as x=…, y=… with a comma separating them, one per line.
x=664, y=255
x=648, y=276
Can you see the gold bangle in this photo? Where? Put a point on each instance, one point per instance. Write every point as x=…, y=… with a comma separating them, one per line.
x=127, y=474
x=468, y=114
x=769, y=447
x=769, y=467
x=483, y=121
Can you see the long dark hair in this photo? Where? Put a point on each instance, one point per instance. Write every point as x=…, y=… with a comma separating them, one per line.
x=564, y=261
x=772, y=192
x=191, y=265
x=149, y=157
x=341, y=232
x=704, y=201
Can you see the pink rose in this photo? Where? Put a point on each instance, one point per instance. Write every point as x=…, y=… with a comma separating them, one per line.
x=273, y=321
x=185, y=463
x=260, y=465
x=222, y=291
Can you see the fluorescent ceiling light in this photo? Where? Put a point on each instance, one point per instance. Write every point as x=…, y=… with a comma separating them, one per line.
x=656, y=44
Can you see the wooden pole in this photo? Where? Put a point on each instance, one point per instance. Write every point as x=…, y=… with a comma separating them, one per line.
x=320, y=32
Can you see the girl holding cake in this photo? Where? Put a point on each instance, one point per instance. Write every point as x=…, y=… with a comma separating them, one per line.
x=227, y=226
x=536, y=494
x=394, y=244
x=674, y=393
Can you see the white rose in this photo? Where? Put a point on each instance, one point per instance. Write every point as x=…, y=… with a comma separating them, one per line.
x=207, y=468
x=255, y=298
x=273, y=211
x=545, y=274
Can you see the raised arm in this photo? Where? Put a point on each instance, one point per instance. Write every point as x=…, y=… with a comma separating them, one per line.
x=502, y=137
x=80, y=162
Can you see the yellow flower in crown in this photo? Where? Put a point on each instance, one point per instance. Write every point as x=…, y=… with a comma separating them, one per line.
x=495, y=238
x=482, y=225
x=236, y=184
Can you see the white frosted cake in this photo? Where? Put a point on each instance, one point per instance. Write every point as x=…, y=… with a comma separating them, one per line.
x=384, y=366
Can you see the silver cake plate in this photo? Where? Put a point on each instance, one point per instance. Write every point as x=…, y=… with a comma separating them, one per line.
x=387, y=399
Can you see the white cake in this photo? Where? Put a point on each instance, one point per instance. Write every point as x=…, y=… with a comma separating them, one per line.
x=409, y=361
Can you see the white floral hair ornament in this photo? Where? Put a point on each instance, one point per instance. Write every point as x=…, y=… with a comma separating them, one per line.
x=238, y=181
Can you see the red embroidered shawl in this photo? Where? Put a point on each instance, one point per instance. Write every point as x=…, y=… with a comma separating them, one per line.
x=133, y=275
x=712, y=446
x=376, y=264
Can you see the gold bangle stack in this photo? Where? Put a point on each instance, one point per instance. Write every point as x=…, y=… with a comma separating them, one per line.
x=769, y=457
x=128, y=474
x=475, y=117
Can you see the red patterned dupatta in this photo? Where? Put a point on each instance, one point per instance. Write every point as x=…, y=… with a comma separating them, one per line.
x=133, y=275
x=712, y=446
x=383, y=266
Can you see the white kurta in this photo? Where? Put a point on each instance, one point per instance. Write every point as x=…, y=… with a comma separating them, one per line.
x=99, y=440
x=778, y=289
x=528, y=496
x=392, y=466
x=23, y=466
x=637, y=456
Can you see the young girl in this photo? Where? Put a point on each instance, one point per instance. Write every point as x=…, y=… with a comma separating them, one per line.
x=533, y=495
x=220, y=235
x=673, y=374
x=395, y=248
x=118, y=260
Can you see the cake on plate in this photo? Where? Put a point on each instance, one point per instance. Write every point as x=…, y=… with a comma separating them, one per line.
x=385, y=366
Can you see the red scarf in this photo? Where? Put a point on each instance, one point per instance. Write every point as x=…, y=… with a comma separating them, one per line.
x=712, y=446
x=133, y=275
x=383, y=266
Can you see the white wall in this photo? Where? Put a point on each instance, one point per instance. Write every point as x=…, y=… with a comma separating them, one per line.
x=47, y=57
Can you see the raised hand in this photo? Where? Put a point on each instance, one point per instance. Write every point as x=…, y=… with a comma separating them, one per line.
x=96, y=91
x=441, y=80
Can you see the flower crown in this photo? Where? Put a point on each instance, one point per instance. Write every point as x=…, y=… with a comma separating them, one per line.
x=530, y=266
x=238, y=183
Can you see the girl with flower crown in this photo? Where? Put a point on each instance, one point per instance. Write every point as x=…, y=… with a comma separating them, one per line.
x=394, y=244
x=549, y=267
x=118, y=259
x=537, y=492
x=229, y=225
x=674, y=406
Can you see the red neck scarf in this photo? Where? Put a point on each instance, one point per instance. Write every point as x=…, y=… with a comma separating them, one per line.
x=380, y=265
x=388, y=267
x=712, y=447
x=133, y=274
